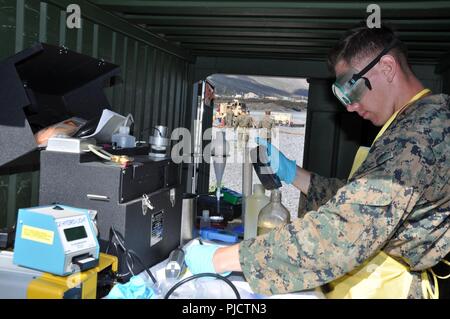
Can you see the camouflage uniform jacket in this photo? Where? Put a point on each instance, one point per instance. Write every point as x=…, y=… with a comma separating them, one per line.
x=266, y=125
x=267, y=122
x=398, y=201
x=244, y=120
x=229, y=118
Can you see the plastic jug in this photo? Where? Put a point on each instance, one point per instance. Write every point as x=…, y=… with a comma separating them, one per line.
x=123, y=139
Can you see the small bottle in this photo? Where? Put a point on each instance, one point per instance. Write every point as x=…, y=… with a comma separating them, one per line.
x=205, y=222
x=253, y=205
x=273, y=214
x=123, y=139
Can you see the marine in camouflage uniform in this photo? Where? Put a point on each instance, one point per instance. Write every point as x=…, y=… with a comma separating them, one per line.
x=243, y=123
x=229, y=116
x=398, y=201
x=265, y=125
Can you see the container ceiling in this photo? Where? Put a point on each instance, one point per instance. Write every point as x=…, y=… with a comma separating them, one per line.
x=295, y=30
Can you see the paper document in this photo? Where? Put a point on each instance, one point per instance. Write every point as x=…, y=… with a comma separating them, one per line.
x=109, y=123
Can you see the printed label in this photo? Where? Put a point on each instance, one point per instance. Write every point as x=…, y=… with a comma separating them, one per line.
x=157, y=228
x=38, y=234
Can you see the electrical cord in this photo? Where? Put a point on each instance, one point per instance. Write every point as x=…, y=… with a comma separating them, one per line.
x=130, y=255
x=119, y=239
x=148, y=128
x=121, y=159
x=99, y=152
x=206, y=274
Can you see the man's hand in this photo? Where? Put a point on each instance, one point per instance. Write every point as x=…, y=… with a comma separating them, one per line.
x=283, y=167
x=66, y=129
x=199, y=258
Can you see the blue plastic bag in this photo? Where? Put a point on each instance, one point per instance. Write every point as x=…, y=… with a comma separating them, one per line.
x=135, y=288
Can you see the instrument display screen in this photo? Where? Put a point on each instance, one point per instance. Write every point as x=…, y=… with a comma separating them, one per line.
x=75, y=233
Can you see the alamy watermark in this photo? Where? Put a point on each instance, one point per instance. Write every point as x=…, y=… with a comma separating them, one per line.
x=374, y=19
x=234, y=145
x=73, y=20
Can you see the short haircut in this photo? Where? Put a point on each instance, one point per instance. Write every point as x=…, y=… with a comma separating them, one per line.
x=361, y=42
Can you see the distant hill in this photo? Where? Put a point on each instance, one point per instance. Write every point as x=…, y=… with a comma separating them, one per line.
x=263, y=86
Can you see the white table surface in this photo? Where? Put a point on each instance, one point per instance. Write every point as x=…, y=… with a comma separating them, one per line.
x=205, y=288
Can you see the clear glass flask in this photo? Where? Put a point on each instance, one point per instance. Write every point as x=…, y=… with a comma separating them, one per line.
x=273, y=214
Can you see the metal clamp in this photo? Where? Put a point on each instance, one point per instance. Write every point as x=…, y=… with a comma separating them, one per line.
x=63, y=49
x=172, y=196
x=146, y=204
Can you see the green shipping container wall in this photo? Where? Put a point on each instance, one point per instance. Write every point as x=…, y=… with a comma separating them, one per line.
x=155, y=86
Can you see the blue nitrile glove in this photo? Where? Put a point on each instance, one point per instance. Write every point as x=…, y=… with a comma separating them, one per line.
x=199, y=259
x=136, y=288
x=283, y=167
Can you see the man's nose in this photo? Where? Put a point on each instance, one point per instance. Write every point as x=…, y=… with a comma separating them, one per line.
x=354, y=107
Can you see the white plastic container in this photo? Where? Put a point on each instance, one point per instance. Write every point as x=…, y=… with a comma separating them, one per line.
x=205, y=222
x=123, y=139
x=253, y=205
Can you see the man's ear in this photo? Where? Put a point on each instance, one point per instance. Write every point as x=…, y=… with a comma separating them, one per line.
x=388, y=67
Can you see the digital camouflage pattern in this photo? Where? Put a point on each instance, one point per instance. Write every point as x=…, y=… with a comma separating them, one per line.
x=398, y=201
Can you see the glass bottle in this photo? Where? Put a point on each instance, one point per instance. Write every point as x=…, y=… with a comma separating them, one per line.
x=273, y=214
x=253, y=205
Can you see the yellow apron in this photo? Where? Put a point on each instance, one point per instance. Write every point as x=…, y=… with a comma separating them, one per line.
x=381, y=276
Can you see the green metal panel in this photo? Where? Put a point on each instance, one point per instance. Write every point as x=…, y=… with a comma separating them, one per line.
x=79, y=39
x=178, y=90
x=105, y=43
x=133, y=69
x=115, y=23
x=95, y=41
x=71, y=38
x=62, y=28
x=165, y=91
x=16, y=191
x=43, y=22
x=12, y=202
x=125, y=74
x=157, y=89
x=146, y=86
x=20, y=21
x=31, y=20
x=139, y=94
x=3, y=200
x=332, y=9
x=149, y=93
x=87, y=43
x=104, y=51
x=302, y=26
x=129, y=71
x=118, y=58
x=8, y=29
x=172, y=115
x=53, y=21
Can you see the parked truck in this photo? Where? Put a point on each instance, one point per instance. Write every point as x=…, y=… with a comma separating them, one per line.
x=282, y=118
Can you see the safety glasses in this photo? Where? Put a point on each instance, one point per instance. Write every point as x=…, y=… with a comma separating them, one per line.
x=351, y=86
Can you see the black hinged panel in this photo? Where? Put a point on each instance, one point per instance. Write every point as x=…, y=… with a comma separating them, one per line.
x=41, y=86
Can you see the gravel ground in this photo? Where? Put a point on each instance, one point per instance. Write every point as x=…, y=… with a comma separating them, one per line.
x=290, y=142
